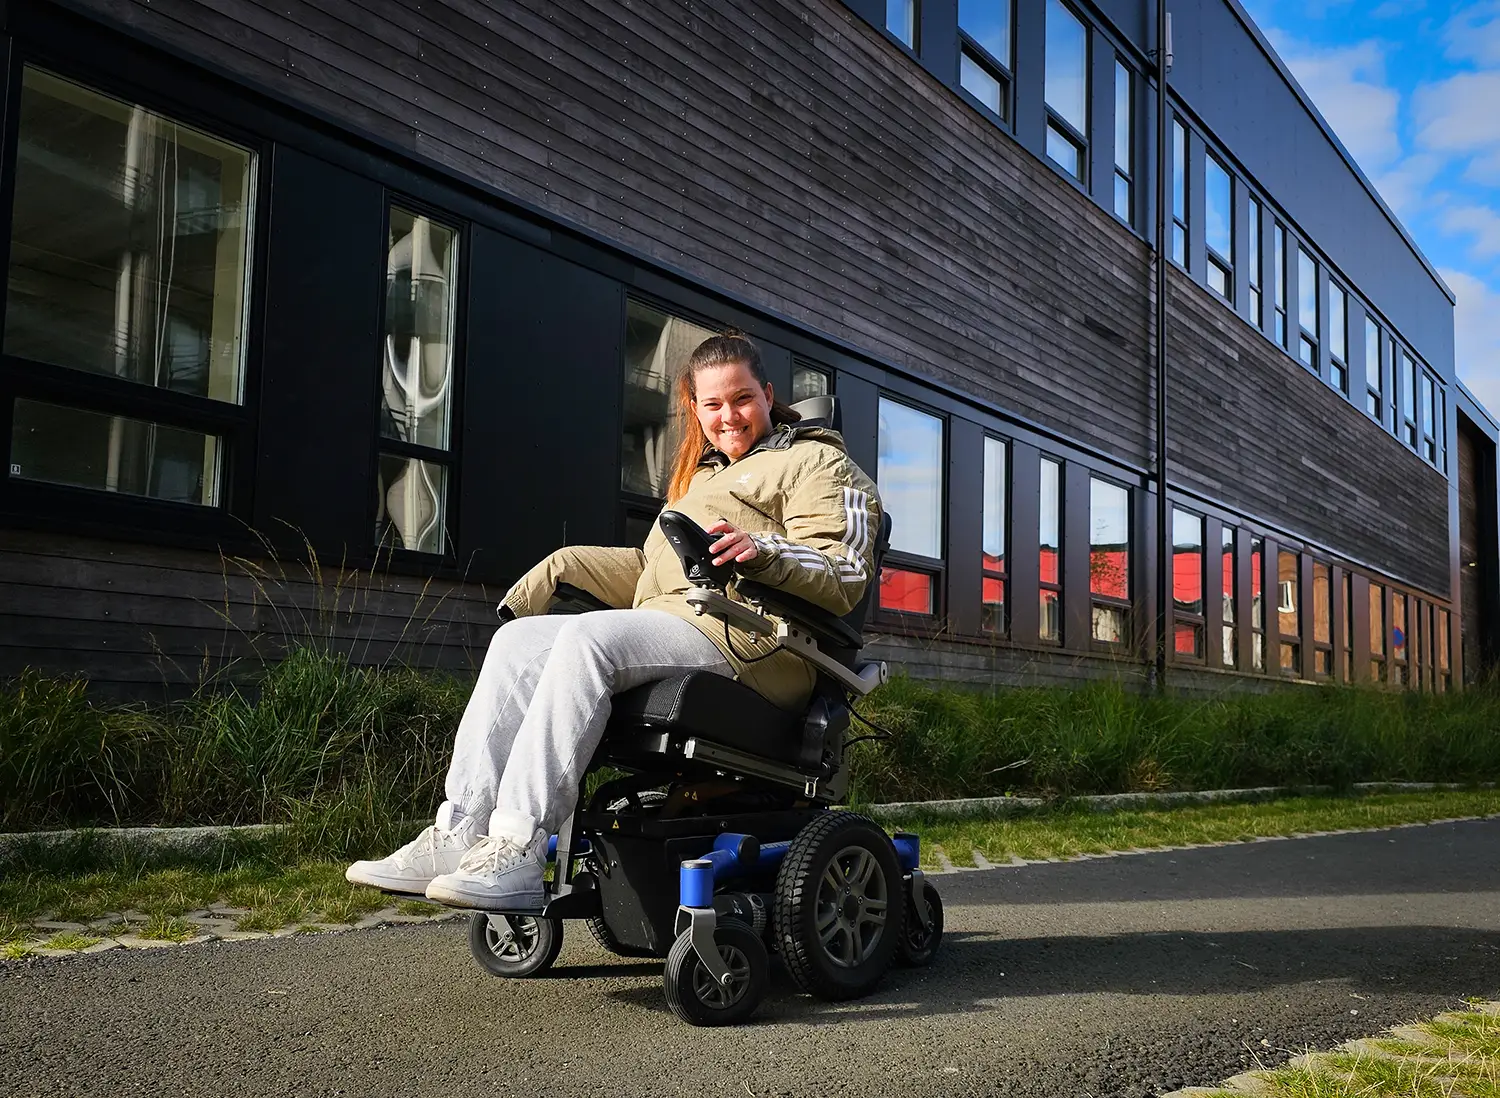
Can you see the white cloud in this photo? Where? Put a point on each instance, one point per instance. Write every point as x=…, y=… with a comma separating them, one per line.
x=1473, y=34
x=1457, y=117
x=1348, y=84
x=1404, y=186
x=1466, y=219
x=1476, y=334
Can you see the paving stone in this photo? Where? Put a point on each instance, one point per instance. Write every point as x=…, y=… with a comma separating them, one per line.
x=132, y=941
x=226, y=909
x=101, y=946
x=242, y=935
x=331, y=928
x=106, y=921
x=1247, y=1082
x=48, y=924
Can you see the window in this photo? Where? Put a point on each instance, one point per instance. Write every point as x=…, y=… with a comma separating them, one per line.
x=1067, y=89
x=416, y=382
x=1409, y=399
x=1307, y=309
x=1399, y=676
x=657, y=347
x=1257, y=606
x=1338, y=337
x=808, y=382
x=1347, y=633
x=1218, y=227
x=1124, y=142
x=984, y=62
x=129, y=261
x=901, y=20
x=1253, y=255
x=1187, y=585
x=1374, y=372
x=1049, y=628
x=1278, y=274
x=910, y=475
x=1179, y=193
x=1288, y=620
x=1109, y=562
x=1429, y=431
x=54, y=444
x=994, y=572
x=1377, y=633
x=1226, y=587
x=1322, y=611
x=1444, y=671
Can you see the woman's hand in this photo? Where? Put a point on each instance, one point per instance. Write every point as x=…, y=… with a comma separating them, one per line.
x=734, y=544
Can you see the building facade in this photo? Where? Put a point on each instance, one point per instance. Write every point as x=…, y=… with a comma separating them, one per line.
x=334, y=317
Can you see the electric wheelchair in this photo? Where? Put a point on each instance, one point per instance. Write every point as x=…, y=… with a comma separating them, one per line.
x=719, y=844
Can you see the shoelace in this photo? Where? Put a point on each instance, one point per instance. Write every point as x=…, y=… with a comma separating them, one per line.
x=490, y=854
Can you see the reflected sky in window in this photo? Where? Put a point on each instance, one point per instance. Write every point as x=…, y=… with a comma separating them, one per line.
x=910, y=475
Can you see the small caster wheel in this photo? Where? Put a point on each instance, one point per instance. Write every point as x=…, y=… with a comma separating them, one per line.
x=514, y=945
x=697, y=998
x=918, y=945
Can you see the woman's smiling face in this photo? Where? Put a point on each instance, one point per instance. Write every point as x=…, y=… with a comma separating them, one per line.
x=733, y=408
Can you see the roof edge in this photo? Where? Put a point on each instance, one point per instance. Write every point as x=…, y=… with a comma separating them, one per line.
x=1286, y=74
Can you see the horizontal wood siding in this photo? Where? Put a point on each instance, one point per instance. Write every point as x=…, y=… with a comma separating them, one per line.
x=784, y=152
x=130, y=617
x=1255, y=430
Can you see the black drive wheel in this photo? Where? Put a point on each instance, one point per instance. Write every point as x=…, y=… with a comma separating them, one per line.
x=698, y=998
x=919, y=945
x=514, y=945
x=840, y=906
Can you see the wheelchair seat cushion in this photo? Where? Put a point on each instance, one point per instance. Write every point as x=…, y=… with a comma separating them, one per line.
x=717, y=709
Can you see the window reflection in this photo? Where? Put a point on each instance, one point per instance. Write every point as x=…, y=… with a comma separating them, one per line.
x=420, y=311
x=1288, y=611
x=1109, y=561
x=993, y=568
x=129, y=242
x=987, y=22
x=1187, y=583
x=1257, y=605
x=657, y=347
x=1226, y=586
x=1050, y=539
x=910, y=475
x=412, y=495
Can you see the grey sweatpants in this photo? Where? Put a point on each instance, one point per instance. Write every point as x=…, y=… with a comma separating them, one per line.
x=541, y=703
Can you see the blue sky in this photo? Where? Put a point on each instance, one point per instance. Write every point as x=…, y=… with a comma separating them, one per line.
x=1412, y=88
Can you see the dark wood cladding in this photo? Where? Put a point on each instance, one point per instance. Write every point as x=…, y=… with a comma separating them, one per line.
x=131, y=618
x=783, y=152
x=1253, y=429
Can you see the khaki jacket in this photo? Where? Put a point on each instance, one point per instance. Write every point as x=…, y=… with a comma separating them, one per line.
x=814, y=516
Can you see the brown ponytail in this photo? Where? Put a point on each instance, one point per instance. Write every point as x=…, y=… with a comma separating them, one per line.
x=726, y=349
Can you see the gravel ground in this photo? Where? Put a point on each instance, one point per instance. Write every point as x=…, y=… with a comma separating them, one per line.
x=1121, y=976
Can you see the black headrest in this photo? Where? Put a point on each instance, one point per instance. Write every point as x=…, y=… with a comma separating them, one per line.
x=820, y=411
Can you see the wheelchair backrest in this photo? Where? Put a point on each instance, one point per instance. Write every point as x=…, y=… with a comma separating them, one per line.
x=823, y=411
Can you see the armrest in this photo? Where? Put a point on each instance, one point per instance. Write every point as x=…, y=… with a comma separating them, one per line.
x=826, y=627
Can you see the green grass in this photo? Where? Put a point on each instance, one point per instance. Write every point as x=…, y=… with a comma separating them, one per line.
x=70, y=940
x=1102, y=739
x=343, y=754
x=1462, y=1062
x=1067, y=832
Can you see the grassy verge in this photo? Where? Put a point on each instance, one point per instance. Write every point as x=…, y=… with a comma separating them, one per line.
x=1068, y=832
x=339, y=751
x=1453, y=1056
x=272, y=885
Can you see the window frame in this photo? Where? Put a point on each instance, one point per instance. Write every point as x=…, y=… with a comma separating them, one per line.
x=451, y=458
x=1000, y=70
x=1003, y=575
x=235, y=425
x=1062, y=537
x=1281, y=323
x=1293, y=641
x=1321, y=648
x=1181, y=198
x=1375, y=400
x=1125, y=605
x=1224, y=265
x=936, y=568
x=1309, y=345
x=1125, y=173
x=1338, y=334
x=1258, y=663
x=915, y=8
x=1052, y=120
x=1229, y=613
x=1255, y=295
x=1198, y=621
x=1377, y=597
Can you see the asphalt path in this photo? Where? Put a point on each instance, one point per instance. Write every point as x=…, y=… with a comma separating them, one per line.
x=1121, y=976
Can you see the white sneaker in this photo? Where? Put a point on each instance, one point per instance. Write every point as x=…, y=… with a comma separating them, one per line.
x=497, y=874
x=434, y=852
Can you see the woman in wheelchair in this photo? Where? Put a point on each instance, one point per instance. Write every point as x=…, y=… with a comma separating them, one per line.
x=786, y=506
